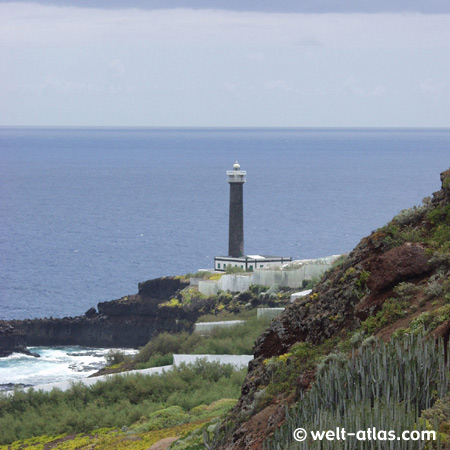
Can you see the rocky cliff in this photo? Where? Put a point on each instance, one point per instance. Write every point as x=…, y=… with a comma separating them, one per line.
x=128, y=322
x=395, y=281
x=12, y=341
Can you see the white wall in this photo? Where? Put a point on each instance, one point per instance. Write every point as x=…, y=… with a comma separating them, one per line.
x=301, y=294
x=205, y=327
x=269, y=312
x=290, y=274
x=236, y=283
x=235, y=360
x=209, y=287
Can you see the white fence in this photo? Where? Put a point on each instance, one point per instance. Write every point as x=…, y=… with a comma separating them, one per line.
x=237, y=361
x=206, y=327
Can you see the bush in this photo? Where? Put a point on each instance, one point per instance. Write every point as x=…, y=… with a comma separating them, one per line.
x=117, y=402
x=405, y=290
x=434, y=289
x=162, y=344
x=411, y=216
x=156, y=360
x=234, y=269
x=236, y=340
x=114, y=357
x=392, y=310
x=164, y=418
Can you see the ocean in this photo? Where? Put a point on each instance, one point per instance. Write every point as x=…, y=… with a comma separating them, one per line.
x=88, y=213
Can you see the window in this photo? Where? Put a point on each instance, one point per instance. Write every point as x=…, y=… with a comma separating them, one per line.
x=261, y=265
x=250, y=268
x=242, y=266
x=224, y=266
x=218, y=265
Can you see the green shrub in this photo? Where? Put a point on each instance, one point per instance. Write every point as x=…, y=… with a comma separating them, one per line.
x=156, y=360
x=116, y=402
x=234, y=269
x=236, y=340
x=392, y=310
x=430, y=320
x=411, y=216
x=433, y=290
x=163, y=344
x=405, y=290
x=164, y=418
x=114, y=357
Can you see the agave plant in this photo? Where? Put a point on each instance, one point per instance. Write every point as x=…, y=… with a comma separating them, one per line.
x=385, y=386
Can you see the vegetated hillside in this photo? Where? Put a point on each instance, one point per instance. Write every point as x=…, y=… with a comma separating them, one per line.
x=394, y=284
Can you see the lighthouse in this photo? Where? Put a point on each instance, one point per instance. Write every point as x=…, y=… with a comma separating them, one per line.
x=236, y=257
x=236, y=179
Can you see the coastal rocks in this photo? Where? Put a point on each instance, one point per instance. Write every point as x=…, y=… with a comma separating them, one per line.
x=128, y=331
x=91, y=312
x=12, y=341
x=151, y=294
x=129, y=322
x=443, y=196
x=162, y=288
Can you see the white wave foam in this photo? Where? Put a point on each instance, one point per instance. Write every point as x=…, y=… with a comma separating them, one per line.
x=54, y=364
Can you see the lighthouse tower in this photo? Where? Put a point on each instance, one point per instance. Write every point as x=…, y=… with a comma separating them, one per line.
x=236, y=178
x=236, y=257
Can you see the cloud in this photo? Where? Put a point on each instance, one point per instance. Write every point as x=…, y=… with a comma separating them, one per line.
x=117, y=67
x=281, y=85
x=33, y=23
x=432, y=86
x=354, y=86
x=256, y=56
x=309, y=42
x=212, y=67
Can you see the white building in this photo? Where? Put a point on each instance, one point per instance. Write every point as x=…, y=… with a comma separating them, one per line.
x=249, y=262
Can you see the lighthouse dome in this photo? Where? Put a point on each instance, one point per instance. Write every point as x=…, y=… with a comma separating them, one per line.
x=236, y=166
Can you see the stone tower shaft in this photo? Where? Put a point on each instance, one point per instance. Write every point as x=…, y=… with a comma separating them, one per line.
x=236, y=178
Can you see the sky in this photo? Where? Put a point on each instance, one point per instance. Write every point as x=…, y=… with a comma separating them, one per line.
x=225, y=63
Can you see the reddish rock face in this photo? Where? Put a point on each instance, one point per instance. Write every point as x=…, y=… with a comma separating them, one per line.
x=399, y=264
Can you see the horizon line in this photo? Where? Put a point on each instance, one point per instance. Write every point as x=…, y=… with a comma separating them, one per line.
x=211, y=127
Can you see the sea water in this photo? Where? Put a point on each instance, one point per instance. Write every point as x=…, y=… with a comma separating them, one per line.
x=54, y=364
x=88, y=213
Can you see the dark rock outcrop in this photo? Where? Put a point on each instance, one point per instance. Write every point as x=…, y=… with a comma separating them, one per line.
x=127, y=322
x=12, y=341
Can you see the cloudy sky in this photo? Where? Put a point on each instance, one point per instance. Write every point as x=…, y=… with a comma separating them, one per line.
x=353, y=63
